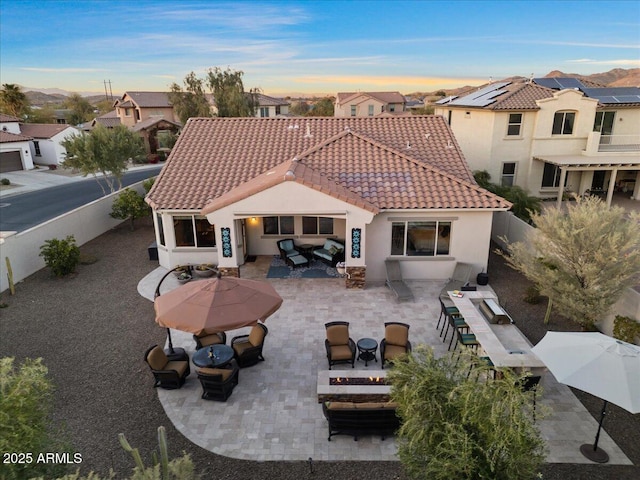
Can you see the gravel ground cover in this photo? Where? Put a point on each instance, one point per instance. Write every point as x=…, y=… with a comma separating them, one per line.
x=93, y=328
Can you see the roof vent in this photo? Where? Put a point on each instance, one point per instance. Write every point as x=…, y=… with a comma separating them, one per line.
x=408, y=146
x=449, y=144
x=347, y=129
x=427, y=135
x=289, y=175
x=308, y=133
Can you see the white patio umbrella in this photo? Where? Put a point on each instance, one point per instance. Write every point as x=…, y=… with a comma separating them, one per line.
x=597, y=364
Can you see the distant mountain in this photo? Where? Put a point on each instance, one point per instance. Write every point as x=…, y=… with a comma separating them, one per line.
x=40, y=99
x=618, y=77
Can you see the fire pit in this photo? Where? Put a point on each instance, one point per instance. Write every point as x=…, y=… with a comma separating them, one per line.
x=352, y=386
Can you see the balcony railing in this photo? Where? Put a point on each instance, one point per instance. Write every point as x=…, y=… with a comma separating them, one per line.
x=597, y=143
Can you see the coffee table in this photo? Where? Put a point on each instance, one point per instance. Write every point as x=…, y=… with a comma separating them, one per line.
x=213, y=356
x=367, y=350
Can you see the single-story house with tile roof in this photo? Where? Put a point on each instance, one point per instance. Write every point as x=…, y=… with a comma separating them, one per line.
x=47, y=138
x=386, y=187
x=15, y=152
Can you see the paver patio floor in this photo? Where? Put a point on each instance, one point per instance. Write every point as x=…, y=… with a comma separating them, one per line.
x=273, y=413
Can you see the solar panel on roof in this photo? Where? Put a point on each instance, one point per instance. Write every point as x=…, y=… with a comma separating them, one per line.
x=628, y=98
x=482, y=97
x=446, y=100
x=559, y=83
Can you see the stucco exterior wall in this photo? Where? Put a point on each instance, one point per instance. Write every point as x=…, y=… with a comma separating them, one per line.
x=51, y=150
x=470, y=240
x=362, y=107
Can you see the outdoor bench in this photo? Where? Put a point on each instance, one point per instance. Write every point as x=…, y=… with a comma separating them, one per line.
x=369, y=418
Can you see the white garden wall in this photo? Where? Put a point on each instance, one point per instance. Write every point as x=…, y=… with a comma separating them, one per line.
x=84, y=223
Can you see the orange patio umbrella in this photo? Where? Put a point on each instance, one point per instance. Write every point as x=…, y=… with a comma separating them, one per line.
x=216, y=305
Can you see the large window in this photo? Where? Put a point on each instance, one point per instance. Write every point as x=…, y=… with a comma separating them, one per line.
x=563, y=123
x=515, y=124
x=317, y=226
x=604, y=122
x=193, y=231
x=264, y=112
x=508, y=174
x=551, y=176
x=160, y=230
x=420, y=238
x=277, y=225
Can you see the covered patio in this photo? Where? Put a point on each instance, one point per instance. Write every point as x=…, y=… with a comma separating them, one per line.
x=273, y=413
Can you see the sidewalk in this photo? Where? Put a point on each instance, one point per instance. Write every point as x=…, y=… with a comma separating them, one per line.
x=24, y=181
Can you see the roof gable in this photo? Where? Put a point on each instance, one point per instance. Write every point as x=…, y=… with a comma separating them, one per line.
x=144, y=99
x=43, y=130
x=383, y=97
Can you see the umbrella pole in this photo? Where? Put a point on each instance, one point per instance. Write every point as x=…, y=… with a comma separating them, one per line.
x=171, y=350
x=592, y=452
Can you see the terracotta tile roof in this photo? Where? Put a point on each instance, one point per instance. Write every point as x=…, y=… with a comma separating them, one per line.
x=384, y=97
x=7, y=137
x=109, y=120
x=265, y=100
x=42, y=130
x=4, y=118
x=374, y=162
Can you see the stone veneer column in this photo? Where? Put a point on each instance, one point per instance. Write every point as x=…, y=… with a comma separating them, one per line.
x=355, y=277
x=229, y=271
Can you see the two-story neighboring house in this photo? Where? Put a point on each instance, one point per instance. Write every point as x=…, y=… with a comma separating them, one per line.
x=551, y=135
x=368, y=104
x=147, y=113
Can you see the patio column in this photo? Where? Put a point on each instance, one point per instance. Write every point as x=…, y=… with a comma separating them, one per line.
x=563, y=177
x=612, y=185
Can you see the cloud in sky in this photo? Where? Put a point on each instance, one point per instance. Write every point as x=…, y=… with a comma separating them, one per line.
x=282, y=44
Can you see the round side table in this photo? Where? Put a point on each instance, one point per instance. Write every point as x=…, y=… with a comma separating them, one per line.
x=367, y=350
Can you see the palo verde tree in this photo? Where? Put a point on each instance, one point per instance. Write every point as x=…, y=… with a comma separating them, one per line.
x=104, y=151
x=13, y=101
x=582, y=260
x=229, y=94
x=458, y=424
x=190, y=101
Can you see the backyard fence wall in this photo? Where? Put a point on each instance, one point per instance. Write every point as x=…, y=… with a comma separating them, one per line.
x=507, y=225
x=84, y=223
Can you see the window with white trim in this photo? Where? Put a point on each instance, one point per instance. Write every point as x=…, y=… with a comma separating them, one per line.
x=371, y=110
x=264, y=112
x=353, y=110
x=563, y=123
x=193, y=231
x=317, y=226
x=508, y=174
x=431, y=238
x=161, y=240
x=278, y=225
x=36, y=147
x=515, y=125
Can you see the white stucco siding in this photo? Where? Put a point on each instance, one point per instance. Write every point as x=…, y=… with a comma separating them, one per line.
x=11, y=127
x=474, y=130
x=470, y=240
x=627, y=122
x=288, y=198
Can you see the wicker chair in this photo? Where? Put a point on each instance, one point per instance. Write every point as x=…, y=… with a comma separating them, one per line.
x=395, y=342
x=167, y=373
x=218, y=383
x=205, y=339
x=340, y=347
x=248, y=348
x=287, y=248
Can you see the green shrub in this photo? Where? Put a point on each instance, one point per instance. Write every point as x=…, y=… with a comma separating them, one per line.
x=626, y=329
x=62, y=256
x=5, y=181
x=532, y=295
x=129, y=206
x=25, y=404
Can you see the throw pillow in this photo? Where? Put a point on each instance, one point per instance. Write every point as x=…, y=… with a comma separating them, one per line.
x=333, y=250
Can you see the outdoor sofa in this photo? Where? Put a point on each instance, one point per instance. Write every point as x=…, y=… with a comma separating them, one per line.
x=369, y=418
x=330, y=253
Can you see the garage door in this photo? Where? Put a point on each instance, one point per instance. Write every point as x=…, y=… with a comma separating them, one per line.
x=10, y=162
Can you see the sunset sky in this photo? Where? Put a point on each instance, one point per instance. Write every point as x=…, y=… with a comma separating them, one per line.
x=287, y=47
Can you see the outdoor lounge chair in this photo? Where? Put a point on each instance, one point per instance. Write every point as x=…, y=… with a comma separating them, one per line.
x=205, y=339
x=218, y=383
x=248, y=348
x=340, y=347
x=459, y=278
x=395, y=342
x=168, y=374
x=395, y=282
x=287, y=248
